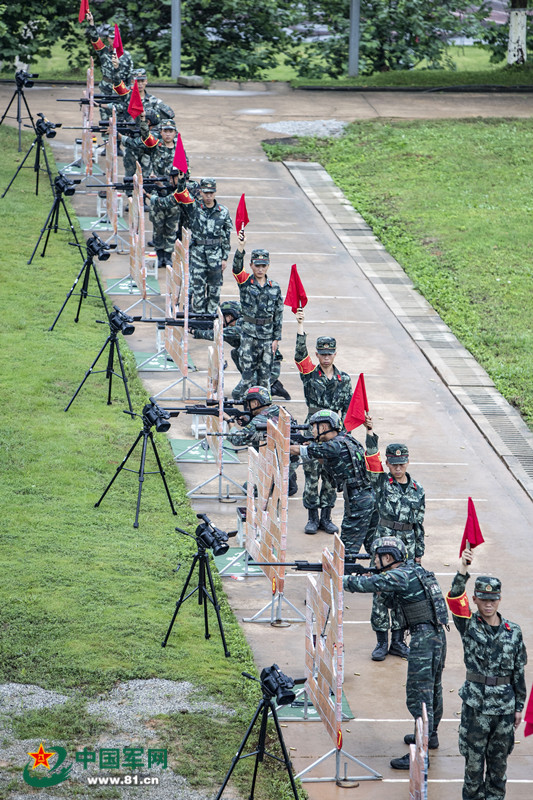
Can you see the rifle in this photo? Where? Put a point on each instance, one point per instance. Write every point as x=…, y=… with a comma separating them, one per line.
x=127, y=183
x=351, y=567
x=296, y=436
x=211, y=407
x=98, y=99
x=199, y=320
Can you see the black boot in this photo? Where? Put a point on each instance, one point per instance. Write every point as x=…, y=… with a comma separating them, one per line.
x=278, y=390
x=397, y=645
x=433, y=740
x=325, y=523
x=293, y=484
x=400, y=763
x=167, y=258
x=379, y=653
x=312, y=522
x=160, y=258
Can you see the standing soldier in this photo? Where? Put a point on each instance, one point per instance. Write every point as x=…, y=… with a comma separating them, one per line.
x=258, y=402
x=324, y=387
x=231, y=311
x=262, y=314
x=343, y=458
x=210, y=225
x=418, y=594
x=494, y=692
x=165, y=215
x=121, y=68
x=149, y=101
x=138, y=147
x=400, y=503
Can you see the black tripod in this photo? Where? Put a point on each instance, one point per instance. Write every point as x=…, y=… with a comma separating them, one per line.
x=52, y=220
x=266, y=706
x=38, y=144
x=146, y=435
x=202, y=559
x=85, y=271
x=112, y=341
x=19, y=94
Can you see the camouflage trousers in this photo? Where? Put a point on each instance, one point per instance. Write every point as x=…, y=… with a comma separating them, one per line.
x=165, y=223
x=255, y=359
x=485, y=741
x=276, y=364
x=205, y=282
x=358, y=511
x=130, y=163
x=427, y=655
x=312, y=498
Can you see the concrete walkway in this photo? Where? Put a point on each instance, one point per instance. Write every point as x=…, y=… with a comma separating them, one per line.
x=423, y=388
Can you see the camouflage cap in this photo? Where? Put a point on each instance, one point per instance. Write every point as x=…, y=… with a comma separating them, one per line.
x=208, y=185
x=260, y=256
x=167, y=123
x=326, y=344
x=139, y=73
x=488, y=588
x=397, y=453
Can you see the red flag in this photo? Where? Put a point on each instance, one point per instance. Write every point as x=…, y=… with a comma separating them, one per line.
x=528, y=716
x=472, y=533
x=117, y=42
x=180, y=159
x=135, y=106
x=84, y=7
x=355, y=415
x=296, y=297
x=241, y=217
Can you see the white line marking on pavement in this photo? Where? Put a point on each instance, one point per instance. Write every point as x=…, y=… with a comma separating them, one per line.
x=454, y=499
x=438, y=463
x=257, y=197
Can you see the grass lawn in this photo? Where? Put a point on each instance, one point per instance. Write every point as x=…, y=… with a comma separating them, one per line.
x=472, y=67
x=86, y=599
x=451, y=201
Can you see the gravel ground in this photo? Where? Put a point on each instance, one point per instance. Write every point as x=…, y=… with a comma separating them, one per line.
x=315, y=127
x=128, y=709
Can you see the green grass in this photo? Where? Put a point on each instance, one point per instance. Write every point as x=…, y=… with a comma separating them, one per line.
x=451, y=201
x=86, y=599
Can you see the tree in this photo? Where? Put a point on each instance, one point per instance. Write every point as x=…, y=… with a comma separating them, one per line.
x=395, y=34
x=510, y=41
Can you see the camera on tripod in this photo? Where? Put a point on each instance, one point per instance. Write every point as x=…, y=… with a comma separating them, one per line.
x=155, y=415
x=276, y=684
x=212, y=537
x=44, y=127
x=23, y=79
x=65, y=185
x=97, y=247
x=121, y=322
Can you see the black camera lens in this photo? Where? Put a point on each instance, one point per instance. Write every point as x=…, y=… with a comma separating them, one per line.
x=155, y=415
x=120, y=321
x=96, y=247
x=278, y=685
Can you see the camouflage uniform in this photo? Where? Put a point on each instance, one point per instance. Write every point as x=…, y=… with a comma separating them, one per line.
x=233, y=336
x=263, y=303
x=343, y=458
x=320, y=392
x=109, y=74
x=486, y=732
x=402, y=506
x=165, y=213
x=403, y=585
x=210, y=245
x=248, y=435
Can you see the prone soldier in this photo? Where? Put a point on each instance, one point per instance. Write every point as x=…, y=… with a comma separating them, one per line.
x=262, y=315
x=400, y=504
x=231, y=311
x=258, y=402
x=417, y=593
x=324, y=387
x=494, y=691
x=343, y=457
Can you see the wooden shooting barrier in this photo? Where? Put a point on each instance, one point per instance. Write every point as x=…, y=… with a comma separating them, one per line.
x=266, y=514
x=137, y=274
x=111, y=174
x=87, y=122
x=324, y=658
x=215, y=423
x=418, y=759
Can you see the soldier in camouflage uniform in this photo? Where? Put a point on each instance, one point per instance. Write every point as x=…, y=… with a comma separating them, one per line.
x=400, y=504
x=210, y=225
x=324, y=387
x=165, y=215
x=418, y=594
x=232, y=314
x=124, y=64
x=262, y=316
x=139, y=147
x=343, y=458
x=258, y=402
x=494, y=692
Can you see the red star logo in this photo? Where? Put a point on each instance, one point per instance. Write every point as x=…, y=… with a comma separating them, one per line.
x=41, y=757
